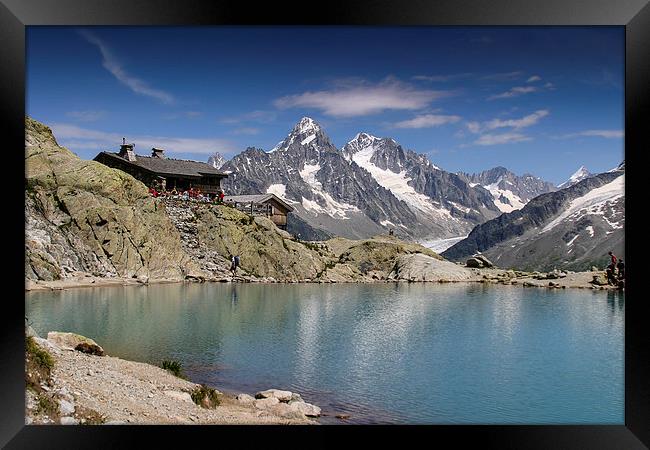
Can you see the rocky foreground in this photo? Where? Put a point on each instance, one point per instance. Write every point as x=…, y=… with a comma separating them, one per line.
x=74, y=387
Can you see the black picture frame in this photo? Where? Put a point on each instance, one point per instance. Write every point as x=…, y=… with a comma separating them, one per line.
x=15, y=15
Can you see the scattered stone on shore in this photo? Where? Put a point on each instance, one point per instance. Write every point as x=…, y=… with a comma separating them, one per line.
x=478, y=261
x=600, y=279
x=68, y=421
x=307, y=409
x=71, y=340
x=283, y=396
x=245, y=398
x=91, y=349
x=264, y=403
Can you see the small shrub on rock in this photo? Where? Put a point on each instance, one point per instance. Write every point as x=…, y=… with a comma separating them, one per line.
x=173, y=367
x=39, y=356
x=205, y=397
x=47, y=405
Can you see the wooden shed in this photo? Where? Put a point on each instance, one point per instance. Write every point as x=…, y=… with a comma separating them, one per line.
x=269, y=205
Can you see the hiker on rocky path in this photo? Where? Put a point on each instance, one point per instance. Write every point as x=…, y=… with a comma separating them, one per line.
x=234, y=263
x=613, y=258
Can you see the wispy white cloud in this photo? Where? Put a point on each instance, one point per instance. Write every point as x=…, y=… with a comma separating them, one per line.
x=441, y=78
x=533, y=79
x=505, y=138
x=361, y=98
x=427, y=121
x=514, y=92
x=607, y=134
x=86, y=116
x=110, y=63
x=75, y=137
x=526, y=121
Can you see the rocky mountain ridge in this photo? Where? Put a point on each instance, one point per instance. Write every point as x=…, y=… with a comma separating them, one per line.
x=509, y=190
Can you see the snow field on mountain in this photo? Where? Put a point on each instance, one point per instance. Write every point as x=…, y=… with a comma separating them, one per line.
x=332, y=208
x=397, y=183
x=595, y=202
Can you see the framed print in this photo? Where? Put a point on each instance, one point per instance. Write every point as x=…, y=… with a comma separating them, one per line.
x=381, y=219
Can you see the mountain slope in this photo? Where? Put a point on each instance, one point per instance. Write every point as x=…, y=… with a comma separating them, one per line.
x=434, y=195
x=572, y=228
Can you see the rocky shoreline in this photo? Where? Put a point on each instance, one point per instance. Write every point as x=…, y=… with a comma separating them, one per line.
x=579, y=280
x=83, y=388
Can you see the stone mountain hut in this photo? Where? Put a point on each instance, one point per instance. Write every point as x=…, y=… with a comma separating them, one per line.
x=165, y=172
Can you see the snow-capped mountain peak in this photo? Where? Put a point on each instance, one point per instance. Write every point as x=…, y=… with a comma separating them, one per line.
x=361, y=142
x=216, y=160
x=306, y=133
x=578, y=176
x=307, y=125
x=364, y=137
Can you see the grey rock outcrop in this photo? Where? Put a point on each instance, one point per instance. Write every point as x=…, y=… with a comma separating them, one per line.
x=420, y=267
x=81, y=216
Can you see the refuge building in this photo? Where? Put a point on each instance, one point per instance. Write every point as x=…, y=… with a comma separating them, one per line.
x=166, y=173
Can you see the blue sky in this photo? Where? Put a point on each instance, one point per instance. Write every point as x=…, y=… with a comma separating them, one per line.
x=542, y=100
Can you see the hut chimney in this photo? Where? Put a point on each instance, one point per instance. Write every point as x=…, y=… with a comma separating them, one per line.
x=158, y=153
x=126, y=151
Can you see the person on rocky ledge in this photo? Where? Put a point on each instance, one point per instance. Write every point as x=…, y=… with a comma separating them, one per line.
x=234, y=263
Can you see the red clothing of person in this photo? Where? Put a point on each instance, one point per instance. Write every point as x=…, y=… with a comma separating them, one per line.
x=221, y=196
x=613, y=259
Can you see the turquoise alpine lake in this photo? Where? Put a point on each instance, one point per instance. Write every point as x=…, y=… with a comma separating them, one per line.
x=402, y=353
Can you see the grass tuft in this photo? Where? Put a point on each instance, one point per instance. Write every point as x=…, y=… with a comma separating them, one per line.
x=39, y=356
x=174, y=367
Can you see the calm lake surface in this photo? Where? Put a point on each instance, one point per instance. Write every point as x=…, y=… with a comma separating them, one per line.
x=385, y=353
